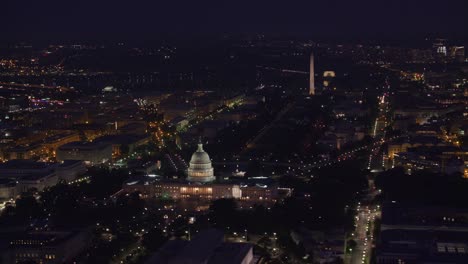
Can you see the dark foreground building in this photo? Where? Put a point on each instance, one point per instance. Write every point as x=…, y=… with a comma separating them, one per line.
x=423, y=234
x=208, y=247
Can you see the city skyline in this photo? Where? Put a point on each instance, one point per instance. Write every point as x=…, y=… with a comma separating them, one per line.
x=261, y=132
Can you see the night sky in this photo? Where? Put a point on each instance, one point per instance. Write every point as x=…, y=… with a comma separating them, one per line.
x=101, y=19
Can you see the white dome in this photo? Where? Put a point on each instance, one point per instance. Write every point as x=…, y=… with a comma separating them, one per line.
x=200, y=169
x=200, y=156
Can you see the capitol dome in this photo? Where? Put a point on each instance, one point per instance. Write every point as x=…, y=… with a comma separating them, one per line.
x=200, y=168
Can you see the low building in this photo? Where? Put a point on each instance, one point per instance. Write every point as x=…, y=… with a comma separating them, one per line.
x=422, y=234
x=327, y=246
x=53, y=142
x=403, y=144
x=8, y=189
x=342, y=133
x=21, y=175
x=422, y=113
x=124, y=143
x=207, y=247
x=136, y=128
x=38, y=181
x=416, y=246
x=23, y=152
x=145, y=167
x=179, y=123
x=89, y=152
x=438, y=159
x=69, y=170
x=46, y=246
x=17, y=168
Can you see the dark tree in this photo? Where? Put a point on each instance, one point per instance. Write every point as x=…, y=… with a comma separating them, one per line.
x=124, y=149
x=223, y=212
x=154, y=239
x=27, y=206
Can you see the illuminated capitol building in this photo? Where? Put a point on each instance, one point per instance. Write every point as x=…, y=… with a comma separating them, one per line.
x=201, y=184
x=200, y=169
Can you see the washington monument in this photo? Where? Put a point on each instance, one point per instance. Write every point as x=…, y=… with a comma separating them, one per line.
x=311, y=76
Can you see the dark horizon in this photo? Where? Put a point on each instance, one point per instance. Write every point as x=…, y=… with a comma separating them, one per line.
x=335, y=20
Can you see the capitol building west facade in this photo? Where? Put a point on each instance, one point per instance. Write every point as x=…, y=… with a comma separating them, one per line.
x=201, y=184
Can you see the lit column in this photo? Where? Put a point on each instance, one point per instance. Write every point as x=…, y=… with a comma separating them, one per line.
x=312, y=76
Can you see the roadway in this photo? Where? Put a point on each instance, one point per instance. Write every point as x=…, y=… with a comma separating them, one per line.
x=363, y=234
x=366, y=215
x=24, y=86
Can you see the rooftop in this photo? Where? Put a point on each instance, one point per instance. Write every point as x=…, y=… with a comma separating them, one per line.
x=24, y=165
x=84, y=145
x=119, y=139
x=206, y=247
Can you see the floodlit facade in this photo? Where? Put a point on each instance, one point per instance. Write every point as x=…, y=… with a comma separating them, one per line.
x=89, y=152
x=201, y=185
x=200, y=169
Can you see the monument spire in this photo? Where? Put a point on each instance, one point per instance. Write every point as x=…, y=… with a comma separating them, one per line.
x=312, y=76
